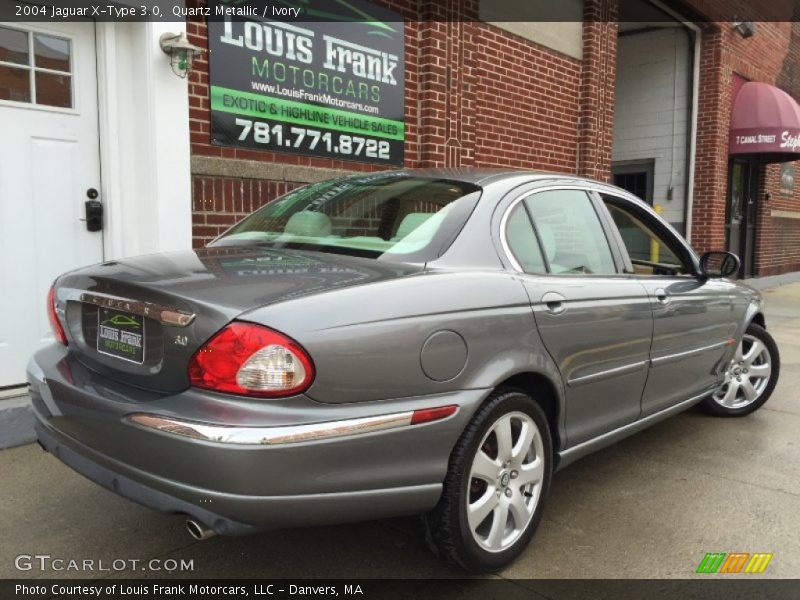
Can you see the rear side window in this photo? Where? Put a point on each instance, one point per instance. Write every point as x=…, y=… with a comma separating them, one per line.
x=522, y=241
x=570, y=232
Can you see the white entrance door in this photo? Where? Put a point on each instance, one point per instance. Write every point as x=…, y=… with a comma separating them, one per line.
x=49, y=160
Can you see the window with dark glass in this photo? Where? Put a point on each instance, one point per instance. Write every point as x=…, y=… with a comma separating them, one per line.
x=35, y=68
x=648, y=250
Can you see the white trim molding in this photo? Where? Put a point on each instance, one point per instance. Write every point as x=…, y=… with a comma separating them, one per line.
x=144, y=141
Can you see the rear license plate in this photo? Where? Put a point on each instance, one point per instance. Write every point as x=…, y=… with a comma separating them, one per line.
x=120, y=334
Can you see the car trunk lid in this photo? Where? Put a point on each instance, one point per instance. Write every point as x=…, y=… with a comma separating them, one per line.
x=140, y=320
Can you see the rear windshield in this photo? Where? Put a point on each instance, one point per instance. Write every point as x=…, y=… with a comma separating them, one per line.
x=389, y=216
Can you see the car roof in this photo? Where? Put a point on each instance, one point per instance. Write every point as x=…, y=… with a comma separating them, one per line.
x=485, y=175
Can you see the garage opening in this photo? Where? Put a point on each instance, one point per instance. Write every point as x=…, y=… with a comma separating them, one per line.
x=653, y=109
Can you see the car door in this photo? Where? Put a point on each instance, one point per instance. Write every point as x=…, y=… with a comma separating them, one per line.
x=595, y=322
x=693, y=317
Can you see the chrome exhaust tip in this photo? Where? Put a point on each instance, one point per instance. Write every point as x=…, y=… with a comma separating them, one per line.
x=199, y=531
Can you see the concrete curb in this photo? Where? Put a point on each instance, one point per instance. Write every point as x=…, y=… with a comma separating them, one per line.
x=772, y=281
x=16, y=421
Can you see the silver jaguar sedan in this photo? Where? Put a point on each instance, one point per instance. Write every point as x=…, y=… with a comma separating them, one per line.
x=408, y=342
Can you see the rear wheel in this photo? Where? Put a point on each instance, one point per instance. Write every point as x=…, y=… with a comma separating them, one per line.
x=494, y=492
x=750, y=377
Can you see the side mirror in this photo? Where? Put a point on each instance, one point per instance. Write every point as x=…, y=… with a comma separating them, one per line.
x=719, y=264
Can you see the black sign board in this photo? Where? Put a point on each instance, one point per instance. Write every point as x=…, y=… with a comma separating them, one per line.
x=318, y=77
x=120, y=334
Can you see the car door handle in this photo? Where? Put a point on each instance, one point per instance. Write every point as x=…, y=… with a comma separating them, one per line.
x=661, y=296
x=554, y=302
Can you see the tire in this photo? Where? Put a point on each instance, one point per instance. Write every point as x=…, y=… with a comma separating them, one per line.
x=751, y=376
x=519, y=486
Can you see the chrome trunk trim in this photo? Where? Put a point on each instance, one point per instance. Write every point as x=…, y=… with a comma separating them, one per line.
x=164, y=314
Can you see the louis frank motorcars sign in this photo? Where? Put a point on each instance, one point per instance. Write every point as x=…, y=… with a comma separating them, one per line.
x=326, y=80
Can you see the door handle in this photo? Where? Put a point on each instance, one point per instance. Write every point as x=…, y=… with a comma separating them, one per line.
x=661, y=296
x=554, y=302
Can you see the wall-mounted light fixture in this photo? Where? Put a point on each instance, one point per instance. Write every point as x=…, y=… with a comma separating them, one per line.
x=745, y=29
x=180, y=51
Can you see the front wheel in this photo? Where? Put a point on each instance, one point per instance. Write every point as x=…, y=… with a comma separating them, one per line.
x=750, y=377
x=497, y=481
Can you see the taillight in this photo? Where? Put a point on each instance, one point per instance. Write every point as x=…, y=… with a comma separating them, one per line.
x=55, y=324
x=251, y=360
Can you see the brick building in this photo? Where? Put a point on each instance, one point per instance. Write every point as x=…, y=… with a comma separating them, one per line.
x=479, y=92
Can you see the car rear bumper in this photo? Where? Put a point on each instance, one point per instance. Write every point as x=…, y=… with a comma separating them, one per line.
x=83, y=419
x=260, y=512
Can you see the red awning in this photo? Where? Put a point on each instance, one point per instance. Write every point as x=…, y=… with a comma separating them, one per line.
x=765, y=120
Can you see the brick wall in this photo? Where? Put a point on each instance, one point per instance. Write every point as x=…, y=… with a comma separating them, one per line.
x=596, y=120
x=527, y=101
x=778, y=225
x=219, y=202
x=713, y=116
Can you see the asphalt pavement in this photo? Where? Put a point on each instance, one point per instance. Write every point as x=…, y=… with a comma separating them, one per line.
x=651, y=506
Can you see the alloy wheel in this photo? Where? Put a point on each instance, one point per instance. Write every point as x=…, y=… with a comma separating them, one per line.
x=747, y=376
x=505, y=481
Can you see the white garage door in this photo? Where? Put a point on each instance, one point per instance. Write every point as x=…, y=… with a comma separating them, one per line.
x=49, y=162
